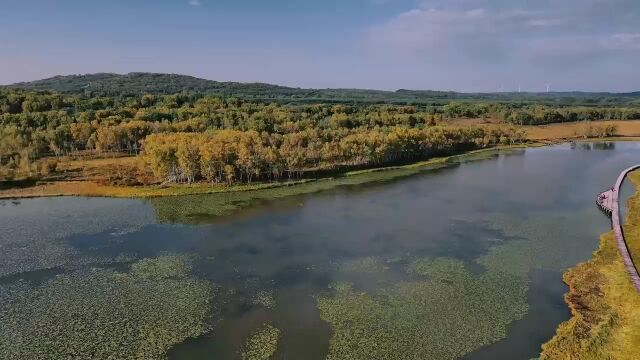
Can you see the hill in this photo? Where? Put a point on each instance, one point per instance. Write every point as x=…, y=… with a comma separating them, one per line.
x=135, y=84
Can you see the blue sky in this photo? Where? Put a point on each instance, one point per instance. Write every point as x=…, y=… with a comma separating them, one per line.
x=463, y=45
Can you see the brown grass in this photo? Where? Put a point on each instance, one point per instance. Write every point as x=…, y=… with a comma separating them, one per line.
x=560, y=131
x=605, y=306
x=572, y=130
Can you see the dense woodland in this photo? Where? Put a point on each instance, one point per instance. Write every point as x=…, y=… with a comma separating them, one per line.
x=196, y=135
x=138, y=84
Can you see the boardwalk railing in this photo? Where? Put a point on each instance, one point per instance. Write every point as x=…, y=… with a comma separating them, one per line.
x=609, y=202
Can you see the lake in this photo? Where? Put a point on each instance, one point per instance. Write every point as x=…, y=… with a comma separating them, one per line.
x=459, y=261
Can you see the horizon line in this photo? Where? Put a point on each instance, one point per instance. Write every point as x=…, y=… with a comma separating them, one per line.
x=514, y=91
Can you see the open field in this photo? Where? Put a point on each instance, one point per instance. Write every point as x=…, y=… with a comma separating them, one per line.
x=572, y=130
x=561, y=131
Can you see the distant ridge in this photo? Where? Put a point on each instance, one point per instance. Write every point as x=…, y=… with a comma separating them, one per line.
x=139, y=83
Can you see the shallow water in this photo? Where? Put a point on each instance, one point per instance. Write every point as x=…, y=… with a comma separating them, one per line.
x=534, y=208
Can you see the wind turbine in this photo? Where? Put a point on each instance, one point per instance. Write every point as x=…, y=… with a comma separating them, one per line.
x=549, y=87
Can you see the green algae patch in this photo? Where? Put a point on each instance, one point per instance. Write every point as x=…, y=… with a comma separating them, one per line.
x=605, y=307
x=369, y=264
x=445, y=315
x=264, y=298
x=34, y=232
x=104, y=314
x=438, y=269
x=549, y=238
x=166, y=267
x=262, y=344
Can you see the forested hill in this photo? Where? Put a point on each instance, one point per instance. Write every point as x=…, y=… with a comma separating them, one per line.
x=136, y=84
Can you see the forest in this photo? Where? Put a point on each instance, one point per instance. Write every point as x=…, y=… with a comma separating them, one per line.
x=138, y=84
x=191, y=136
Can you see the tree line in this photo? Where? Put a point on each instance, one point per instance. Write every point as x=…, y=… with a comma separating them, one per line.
x=36, y=124
x=244, y=156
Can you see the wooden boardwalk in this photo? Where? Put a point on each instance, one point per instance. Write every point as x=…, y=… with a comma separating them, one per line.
x=609, y=202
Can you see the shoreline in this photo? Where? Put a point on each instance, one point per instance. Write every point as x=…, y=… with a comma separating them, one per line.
x=604, y=305
x=92, y=189
x=88, y=188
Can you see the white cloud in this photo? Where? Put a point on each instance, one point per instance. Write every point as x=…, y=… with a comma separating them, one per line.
x=625, y=41
x=195, y=2
x=435, y=32
x=445, y=33
x=545, y=22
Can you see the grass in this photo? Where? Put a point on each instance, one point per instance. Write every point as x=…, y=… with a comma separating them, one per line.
x=625, y=129
x=561, y=131
x=632, y=223
x=605, y=308
x=96, y=313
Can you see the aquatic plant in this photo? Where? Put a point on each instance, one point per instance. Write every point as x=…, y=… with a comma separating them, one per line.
x=262, y=344
x=550, y=238
x=104, y=314
x=445, y=315
x=30, y=243
x=369, y=264
x=264, y=298
x=438, y=269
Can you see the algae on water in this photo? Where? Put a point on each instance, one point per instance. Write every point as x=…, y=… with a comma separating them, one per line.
x=445, y=315
x=262, y=344
x=264, y=298
x=369, y=264
x=33, y=232
x=97, y=313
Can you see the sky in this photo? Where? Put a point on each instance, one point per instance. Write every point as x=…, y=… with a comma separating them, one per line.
x=460, y=45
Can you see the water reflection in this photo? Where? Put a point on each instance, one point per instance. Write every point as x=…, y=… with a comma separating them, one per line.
x=536, y=206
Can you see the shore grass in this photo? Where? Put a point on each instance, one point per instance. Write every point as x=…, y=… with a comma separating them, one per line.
x=571, y=131
x=605, y=308
x=632, y=223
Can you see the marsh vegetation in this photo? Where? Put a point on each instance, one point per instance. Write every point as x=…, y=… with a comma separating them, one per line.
x=605, y=307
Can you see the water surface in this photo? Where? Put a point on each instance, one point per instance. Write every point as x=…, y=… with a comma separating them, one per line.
x=527, y=215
